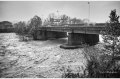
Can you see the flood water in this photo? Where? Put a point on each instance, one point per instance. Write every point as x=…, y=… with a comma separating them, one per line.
x=37, y=59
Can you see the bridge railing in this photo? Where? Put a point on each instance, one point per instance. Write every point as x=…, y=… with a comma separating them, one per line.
x=77, y=25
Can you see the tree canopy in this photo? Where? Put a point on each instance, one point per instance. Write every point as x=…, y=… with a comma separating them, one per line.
x=35, y=22
x=113, y=26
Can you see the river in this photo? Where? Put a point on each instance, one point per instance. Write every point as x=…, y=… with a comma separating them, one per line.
x=37, y=59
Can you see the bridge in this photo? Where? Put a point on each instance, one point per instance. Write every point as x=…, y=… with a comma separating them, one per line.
x=76, y=28
x=78, y=34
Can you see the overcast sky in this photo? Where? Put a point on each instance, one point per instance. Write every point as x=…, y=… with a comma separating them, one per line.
x=24, y=10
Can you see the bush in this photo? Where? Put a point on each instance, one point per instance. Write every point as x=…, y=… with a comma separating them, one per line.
x=69, y=73
x=100, y=64
x=20, y=28
x=28, y=30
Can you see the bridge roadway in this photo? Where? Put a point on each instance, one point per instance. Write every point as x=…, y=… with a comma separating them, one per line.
x=76, y=28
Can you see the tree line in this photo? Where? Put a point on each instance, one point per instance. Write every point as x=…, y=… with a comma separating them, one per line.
x=29, y=28
x=63, y=19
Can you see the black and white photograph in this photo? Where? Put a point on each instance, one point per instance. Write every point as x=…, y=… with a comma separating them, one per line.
x=59, y=39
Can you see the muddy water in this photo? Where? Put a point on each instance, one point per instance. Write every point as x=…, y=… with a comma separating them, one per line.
x=37, y=59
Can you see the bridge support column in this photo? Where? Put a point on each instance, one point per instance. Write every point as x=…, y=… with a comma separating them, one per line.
x=76, y=40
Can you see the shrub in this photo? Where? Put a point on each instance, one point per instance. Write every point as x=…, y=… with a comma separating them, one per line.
x=99, y=63
x=20, y=28
x=68, y=73
x=28, y=30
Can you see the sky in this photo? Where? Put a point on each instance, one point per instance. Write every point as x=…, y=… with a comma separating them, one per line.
x=15, y=11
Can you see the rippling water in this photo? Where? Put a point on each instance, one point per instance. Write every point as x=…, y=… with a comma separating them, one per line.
x=36, y=59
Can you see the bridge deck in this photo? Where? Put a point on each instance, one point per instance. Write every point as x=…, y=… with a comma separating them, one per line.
x=76, y=28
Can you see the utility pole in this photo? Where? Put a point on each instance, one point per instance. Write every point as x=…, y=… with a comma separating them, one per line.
x=88, y=16
x=58, y=13
x=42, y=19
x=58, y=17
x=89, y=12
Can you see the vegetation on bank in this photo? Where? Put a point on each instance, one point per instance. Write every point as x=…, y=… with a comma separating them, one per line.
x=103, y=61
x=105, y=64
x=29, y=28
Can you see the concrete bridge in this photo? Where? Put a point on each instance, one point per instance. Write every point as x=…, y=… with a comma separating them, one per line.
x=78, y=34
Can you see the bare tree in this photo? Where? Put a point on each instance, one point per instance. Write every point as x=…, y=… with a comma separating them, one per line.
x=64, y=19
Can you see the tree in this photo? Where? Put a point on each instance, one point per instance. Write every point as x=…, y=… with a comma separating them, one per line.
x=113, y=28
x=76, y=21
x=33, y=25
x=64, y=19
x=86, y=20
x=35, y=22
x=111, y=34
x=73, y=20
x=20, y=28
x=51, y=18
x=51, y=15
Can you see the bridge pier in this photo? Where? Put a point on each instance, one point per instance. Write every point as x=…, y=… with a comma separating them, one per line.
x=76, y=40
